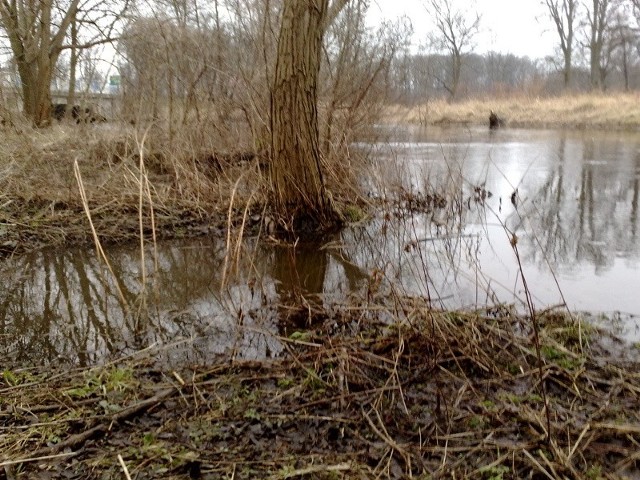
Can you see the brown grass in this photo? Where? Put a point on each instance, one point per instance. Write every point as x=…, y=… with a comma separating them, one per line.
x=127, y=175
x=608, y=111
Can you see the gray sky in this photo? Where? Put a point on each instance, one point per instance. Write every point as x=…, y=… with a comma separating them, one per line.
x=508, y=26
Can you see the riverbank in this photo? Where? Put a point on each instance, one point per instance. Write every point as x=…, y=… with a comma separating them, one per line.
x=619, y=111
x=73, y=185
x=381, y=386
x=430, y=395
x=142, y=180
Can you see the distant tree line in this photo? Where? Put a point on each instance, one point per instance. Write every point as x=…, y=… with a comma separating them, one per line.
x=598, y=48
x=415, y=78
x=178, y=58
x=601, y=37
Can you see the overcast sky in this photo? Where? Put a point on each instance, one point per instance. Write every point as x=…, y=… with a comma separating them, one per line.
x=507, y=26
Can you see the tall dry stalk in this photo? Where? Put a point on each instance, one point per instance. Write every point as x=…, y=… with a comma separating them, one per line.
x=144, y=191
x=96, y=239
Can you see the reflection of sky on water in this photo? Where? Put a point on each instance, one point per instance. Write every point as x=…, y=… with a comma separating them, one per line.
x=577, y=218
x=577, y=210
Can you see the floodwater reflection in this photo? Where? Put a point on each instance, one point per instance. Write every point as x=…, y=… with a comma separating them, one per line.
x=68, y=307
x=574, y=213
x=576, y=218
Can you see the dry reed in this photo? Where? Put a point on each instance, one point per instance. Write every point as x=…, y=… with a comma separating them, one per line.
x=619, y=111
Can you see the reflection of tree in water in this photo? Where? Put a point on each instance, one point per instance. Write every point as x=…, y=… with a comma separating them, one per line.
x=586, y=211
x=51, y=304
x=64, y=305
x=635, y=188
x=309, y=276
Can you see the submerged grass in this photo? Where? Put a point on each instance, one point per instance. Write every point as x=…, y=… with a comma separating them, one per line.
x=435, y=394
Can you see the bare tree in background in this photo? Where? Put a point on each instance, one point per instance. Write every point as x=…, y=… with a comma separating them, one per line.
x=300, y=194
x=598, y=22
x=619, y=47
x=455, y=32
x=36, y=33
x=355, y=76
x=563, y=13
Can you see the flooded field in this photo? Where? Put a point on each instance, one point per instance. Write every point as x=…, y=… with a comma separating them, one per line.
x=567, y=200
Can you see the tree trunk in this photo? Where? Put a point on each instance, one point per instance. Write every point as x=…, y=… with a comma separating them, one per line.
x=456, y=70
x=567, y=70
x=73, y=64
x=36, y=50
x=36, y=90
x=296, y=173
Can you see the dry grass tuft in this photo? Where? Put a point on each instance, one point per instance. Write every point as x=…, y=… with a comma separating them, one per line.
x=189, y=181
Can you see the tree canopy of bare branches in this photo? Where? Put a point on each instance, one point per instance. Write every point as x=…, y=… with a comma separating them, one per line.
x=37, y=33
x=563, y=14
x=454, y=33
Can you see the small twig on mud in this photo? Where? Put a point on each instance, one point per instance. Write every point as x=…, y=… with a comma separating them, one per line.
x=541, y=469
x=124, y=467
x=124, y=414
x=384, y=436
x=341, y=467
x=37, y=459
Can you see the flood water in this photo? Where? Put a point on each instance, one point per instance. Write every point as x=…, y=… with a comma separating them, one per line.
x=574, y=214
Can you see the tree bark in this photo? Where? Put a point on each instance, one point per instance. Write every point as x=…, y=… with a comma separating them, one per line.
x=296, y=172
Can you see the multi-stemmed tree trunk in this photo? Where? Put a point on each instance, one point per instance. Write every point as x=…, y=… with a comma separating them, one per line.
x=299, y=189
x=36, y=48
x=564, y=14
x=598, y=16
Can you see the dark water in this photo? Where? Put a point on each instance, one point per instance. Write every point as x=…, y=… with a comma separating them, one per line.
x=575, y=218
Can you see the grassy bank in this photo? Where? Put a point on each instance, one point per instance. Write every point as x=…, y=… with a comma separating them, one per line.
x=69, y=184
x=433, y=395
x=603, y=111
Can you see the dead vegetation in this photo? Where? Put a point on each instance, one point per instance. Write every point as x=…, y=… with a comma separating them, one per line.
x=185, y=190
x=617, y=111
x=173, y=183
x=432, y=395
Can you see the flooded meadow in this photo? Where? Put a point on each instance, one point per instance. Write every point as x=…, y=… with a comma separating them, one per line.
x=450, y=208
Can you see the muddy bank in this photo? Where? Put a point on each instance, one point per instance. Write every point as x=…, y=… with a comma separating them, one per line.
x=434, y=394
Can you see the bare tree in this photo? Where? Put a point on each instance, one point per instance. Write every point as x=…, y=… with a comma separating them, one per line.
x=36, y=33
x=300, y=194
x=355, y=74
x=619, y=49
x=598, y=23
x=563, y=13
x=36, y=44
x=455, y=32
